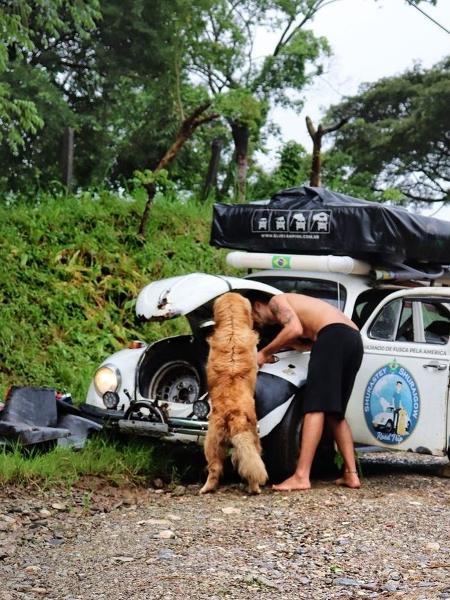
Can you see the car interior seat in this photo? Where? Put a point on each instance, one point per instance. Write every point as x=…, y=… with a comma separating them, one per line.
x=437, y=332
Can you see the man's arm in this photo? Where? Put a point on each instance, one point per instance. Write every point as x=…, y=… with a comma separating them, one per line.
x=291, y=330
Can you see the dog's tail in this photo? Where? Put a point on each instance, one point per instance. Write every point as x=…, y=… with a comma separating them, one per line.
x=247, y=459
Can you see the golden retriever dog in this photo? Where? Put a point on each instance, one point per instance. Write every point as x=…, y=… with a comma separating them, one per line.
x=231, y=374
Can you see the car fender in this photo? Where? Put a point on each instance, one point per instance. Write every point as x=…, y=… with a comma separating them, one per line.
x=125, y=361
x=276, y=387
x=271, y=420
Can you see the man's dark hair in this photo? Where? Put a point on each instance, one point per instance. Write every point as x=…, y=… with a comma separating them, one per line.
x=257, y=296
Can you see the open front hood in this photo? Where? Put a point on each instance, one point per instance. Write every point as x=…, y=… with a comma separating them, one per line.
x=181, y=295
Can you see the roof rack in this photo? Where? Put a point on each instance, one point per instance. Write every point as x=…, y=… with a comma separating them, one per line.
x=337, y=264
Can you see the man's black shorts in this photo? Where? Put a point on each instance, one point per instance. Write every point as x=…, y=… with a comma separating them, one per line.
x=336, y=356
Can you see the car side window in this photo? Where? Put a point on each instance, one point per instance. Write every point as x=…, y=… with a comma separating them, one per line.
x=386, y=323
x=436, y=323
x=396, y=322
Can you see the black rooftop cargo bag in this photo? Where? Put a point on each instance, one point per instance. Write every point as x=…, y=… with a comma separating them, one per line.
x=317, y=221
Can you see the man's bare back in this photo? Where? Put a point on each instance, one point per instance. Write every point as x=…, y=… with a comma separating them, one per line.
x=300, y=317
x=312, y=313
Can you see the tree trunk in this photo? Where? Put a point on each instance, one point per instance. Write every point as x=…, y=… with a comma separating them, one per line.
x=170, y=154
x=213, y=167
x=316, y=136
x=187, y=129
x=314, y=177
x=241, y=136
x=151, y=191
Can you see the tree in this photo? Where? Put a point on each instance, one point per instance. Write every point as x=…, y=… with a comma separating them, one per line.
x=316, y=135
x=398, y=132
x=125, y=73
x=244, y=86
x=189, y=125
x=116, y=87
x=24, y=27
x=294, y=168
x=139, y=82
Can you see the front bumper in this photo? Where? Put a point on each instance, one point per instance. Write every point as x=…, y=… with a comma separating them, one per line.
x=174, y=428
x=104, y=416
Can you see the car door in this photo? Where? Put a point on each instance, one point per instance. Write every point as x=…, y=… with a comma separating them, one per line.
x=400, y=397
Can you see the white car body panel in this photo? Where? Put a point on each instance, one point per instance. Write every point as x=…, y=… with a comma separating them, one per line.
x=165, y=299
x=176, y=296
x=291, y=365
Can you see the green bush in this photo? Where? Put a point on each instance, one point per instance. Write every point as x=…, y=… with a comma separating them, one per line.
x=71, y=268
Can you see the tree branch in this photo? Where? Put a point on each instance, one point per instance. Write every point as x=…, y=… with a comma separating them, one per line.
x=308, y=16
x=280, y=43
x=310, y=127
x=341, y=123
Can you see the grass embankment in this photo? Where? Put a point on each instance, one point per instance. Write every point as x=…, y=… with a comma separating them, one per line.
x=128, y=463
x=70, y=271
x=118, y=461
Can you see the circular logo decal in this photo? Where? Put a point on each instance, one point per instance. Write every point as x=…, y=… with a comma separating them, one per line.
x=391, y=403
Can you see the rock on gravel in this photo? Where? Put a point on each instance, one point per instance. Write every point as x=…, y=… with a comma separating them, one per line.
x=390, y=539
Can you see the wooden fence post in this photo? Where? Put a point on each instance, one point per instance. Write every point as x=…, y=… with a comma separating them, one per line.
x=67, y=157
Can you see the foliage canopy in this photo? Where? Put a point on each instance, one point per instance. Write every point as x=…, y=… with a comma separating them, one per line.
x=399, y=132
x=124, y=74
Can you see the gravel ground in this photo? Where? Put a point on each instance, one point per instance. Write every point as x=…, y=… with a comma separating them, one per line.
x=391, y=539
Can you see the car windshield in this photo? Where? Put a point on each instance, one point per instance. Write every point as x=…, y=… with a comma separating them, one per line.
x=332, y=292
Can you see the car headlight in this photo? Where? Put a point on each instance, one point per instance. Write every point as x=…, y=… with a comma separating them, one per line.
x=107, y=379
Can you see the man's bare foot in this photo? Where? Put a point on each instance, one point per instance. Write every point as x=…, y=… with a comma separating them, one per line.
x=293, y=483
x=349, y=479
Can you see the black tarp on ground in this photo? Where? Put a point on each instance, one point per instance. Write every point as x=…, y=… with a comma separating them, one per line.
x=309, y=220
x=33, y=415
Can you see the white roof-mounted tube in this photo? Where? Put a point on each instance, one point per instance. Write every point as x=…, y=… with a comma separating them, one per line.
x=298, y=262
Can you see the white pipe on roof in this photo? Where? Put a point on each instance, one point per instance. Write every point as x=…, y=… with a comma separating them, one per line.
x=298, y=262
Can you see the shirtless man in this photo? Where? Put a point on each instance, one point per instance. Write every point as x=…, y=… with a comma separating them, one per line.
x=336, y=355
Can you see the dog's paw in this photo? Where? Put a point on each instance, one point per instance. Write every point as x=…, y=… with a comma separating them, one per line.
x=207, y=489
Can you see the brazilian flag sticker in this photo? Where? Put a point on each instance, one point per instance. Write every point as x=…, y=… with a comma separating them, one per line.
x=281, y=262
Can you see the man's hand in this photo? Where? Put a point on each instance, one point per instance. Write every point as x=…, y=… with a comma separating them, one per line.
x=263, y=358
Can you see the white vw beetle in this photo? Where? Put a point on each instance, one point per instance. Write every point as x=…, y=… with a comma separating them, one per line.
x=400, y=398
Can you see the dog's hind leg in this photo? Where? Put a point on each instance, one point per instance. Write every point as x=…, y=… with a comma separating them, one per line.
x=215, y=452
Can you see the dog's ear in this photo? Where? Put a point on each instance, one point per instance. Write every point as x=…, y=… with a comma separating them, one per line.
x=246, y=304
